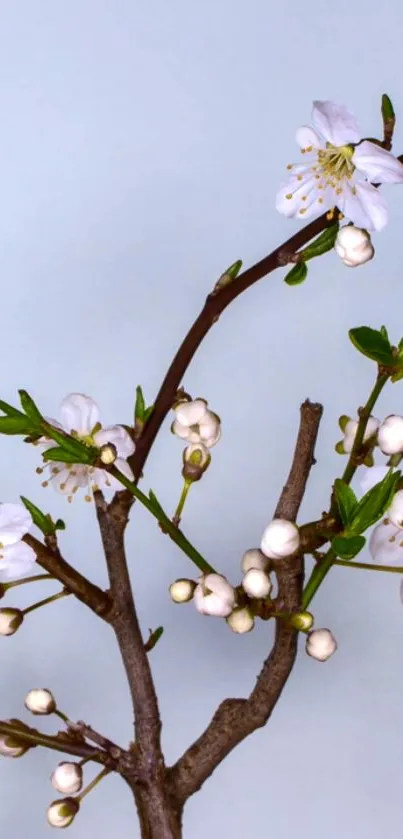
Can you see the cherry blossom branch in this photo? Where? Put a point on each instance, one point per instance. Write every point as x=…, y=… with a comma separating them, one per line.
x=58, y=742
x=235, y=719
x=51, y=560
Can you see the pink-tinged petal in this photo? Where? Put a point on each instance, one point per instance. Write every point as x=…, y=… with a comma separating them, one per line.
x=386, y=544
x=363, y=205
x=335, y=122
x=305, y=197
x=79, y=413
x=15, y=521
x=16, y=561
x=378, y=165
x=307, y=137
x=117, y=435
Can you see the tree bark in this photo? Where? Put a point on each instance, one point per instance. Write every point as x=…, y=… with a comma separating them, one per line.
x=159, y=816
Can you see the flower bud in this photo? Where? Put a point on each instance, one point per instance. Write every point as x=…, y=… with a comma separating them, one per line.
x=196, y=459
x=10, y=746
x=241, y=621
x=256, y=583
x=280, y=539
x=108, y=454
x=320, y=644
x=40, y=701
x=62, y=812
x=390, y=435
x=301, y=621
x=67, y=777
x=353, y=245
x=350, y=430
x=10, y=620
x=395, y=511
x=214, y=596
x=181, y=591
x=254, y=559
x=195, y=423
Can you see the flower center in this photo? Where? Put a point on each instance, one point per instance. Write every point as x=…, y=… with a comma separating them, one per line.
x=336, y=163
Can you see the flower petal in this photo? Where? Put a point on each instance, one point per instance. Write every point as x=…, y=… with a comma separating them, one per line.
x=335, y=122
x=307, y=136
x=377, y=164
x=68, y=479
x=118, y=436
x=102, y=479
x=15, y=521
x=368, y=477
x=180, y=430
x=79, y=413
x=364, y=205
x=315, y=200
x=190, y=413
x=386, y=544
x=16, y=561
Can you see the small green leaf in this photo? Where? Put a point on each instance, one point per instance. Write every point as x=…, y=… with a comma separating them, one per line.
x=83, y=453
x=9, y=410
x=374, y=503
x=147, y=413
x=347, y=547
x=153, y=639
x=388, y=113
x=29, y=407
x=371, y=343
x=229, y=275
x=297, y=274
x=60, y=524
x=346, y=500
x=15, y=425
x=339, y=447
x=61, y=455
x=42, y=520
x=323, y=244
x=384, y=333
x=343, y=420
x=140, y=405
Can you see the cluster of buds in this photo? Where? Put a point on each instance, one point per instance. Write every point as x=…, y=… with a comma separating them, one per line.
x=353, y=245
x=349, y=428
x=201, y=429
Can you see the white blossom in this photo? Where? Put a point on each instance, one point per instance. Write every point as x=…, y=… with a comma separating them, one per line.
x=256, y=583
x=395, y=511
x=280, y=539
x=369, y=476
x=67, y=778
x=350, y=431
x=195, y=423
x=81, y=419
x=181, y=591
x=254, y=558
x=16, y=558
x=40, y=701
x=10, y=620
x=241, y=620
x=331, y=177
x=320, y=644
x=214, y=595
x=62, y=812
x=386, y=544
x=353, y=245
x=390, y=435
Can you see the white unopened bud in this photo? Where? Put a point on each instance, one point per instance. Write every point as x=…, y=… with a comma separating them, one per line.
x=241, y=621
x=108, y=453
x=256, y=583
x=350, y=430
x=214, y=596
x=181, y=591
x=390, y=435
x=353, y=245
x=62, y=812
x=10, y=746
x=302, y=621
x=395, y=511
x=196, y=423
x=321, y=644
x=280, y=539
x=40, y=701
x=67, y=778
x=254, y=559
x=10, y=620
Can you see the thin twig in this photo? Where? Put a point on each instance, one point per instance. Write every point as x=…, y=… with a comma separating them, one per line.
x=235, y=719
x=32, y=737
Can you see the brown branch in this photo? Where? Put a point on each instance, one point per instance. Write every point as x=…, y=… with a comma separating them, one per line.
x=97, y=600
x=235, y=719
x=60, y=742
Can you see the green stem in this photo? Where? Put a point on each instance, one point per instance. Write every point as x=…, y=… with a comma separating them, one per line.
x=93, y=784
x=28, y=580
x=366, y=412
x=47, y=600
x=317, y=576
x=61, y=715
x=181, y=503
x=370, y=566
x=176, y=535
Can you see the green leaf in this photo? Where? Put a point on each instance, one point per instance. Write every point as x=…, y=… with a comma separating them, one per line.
x=346, y=500
x=29, y=407
x=297, y=274
x=371, y=343
x=339, y=447
x=61, y=455
x=388, y=113
x=9, y=410
x=140, y=405
x=84, y=454
x=147, y=413
x=324, y=242
x=15, y=425
x=347, y=547
x=384, y=333
x=374, y=503
x=153, y=639
x=229, y=275
x=42, y=520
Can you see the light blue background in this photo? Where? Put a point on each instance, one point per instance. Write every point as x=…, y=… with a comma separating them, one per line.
x=141, y=147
